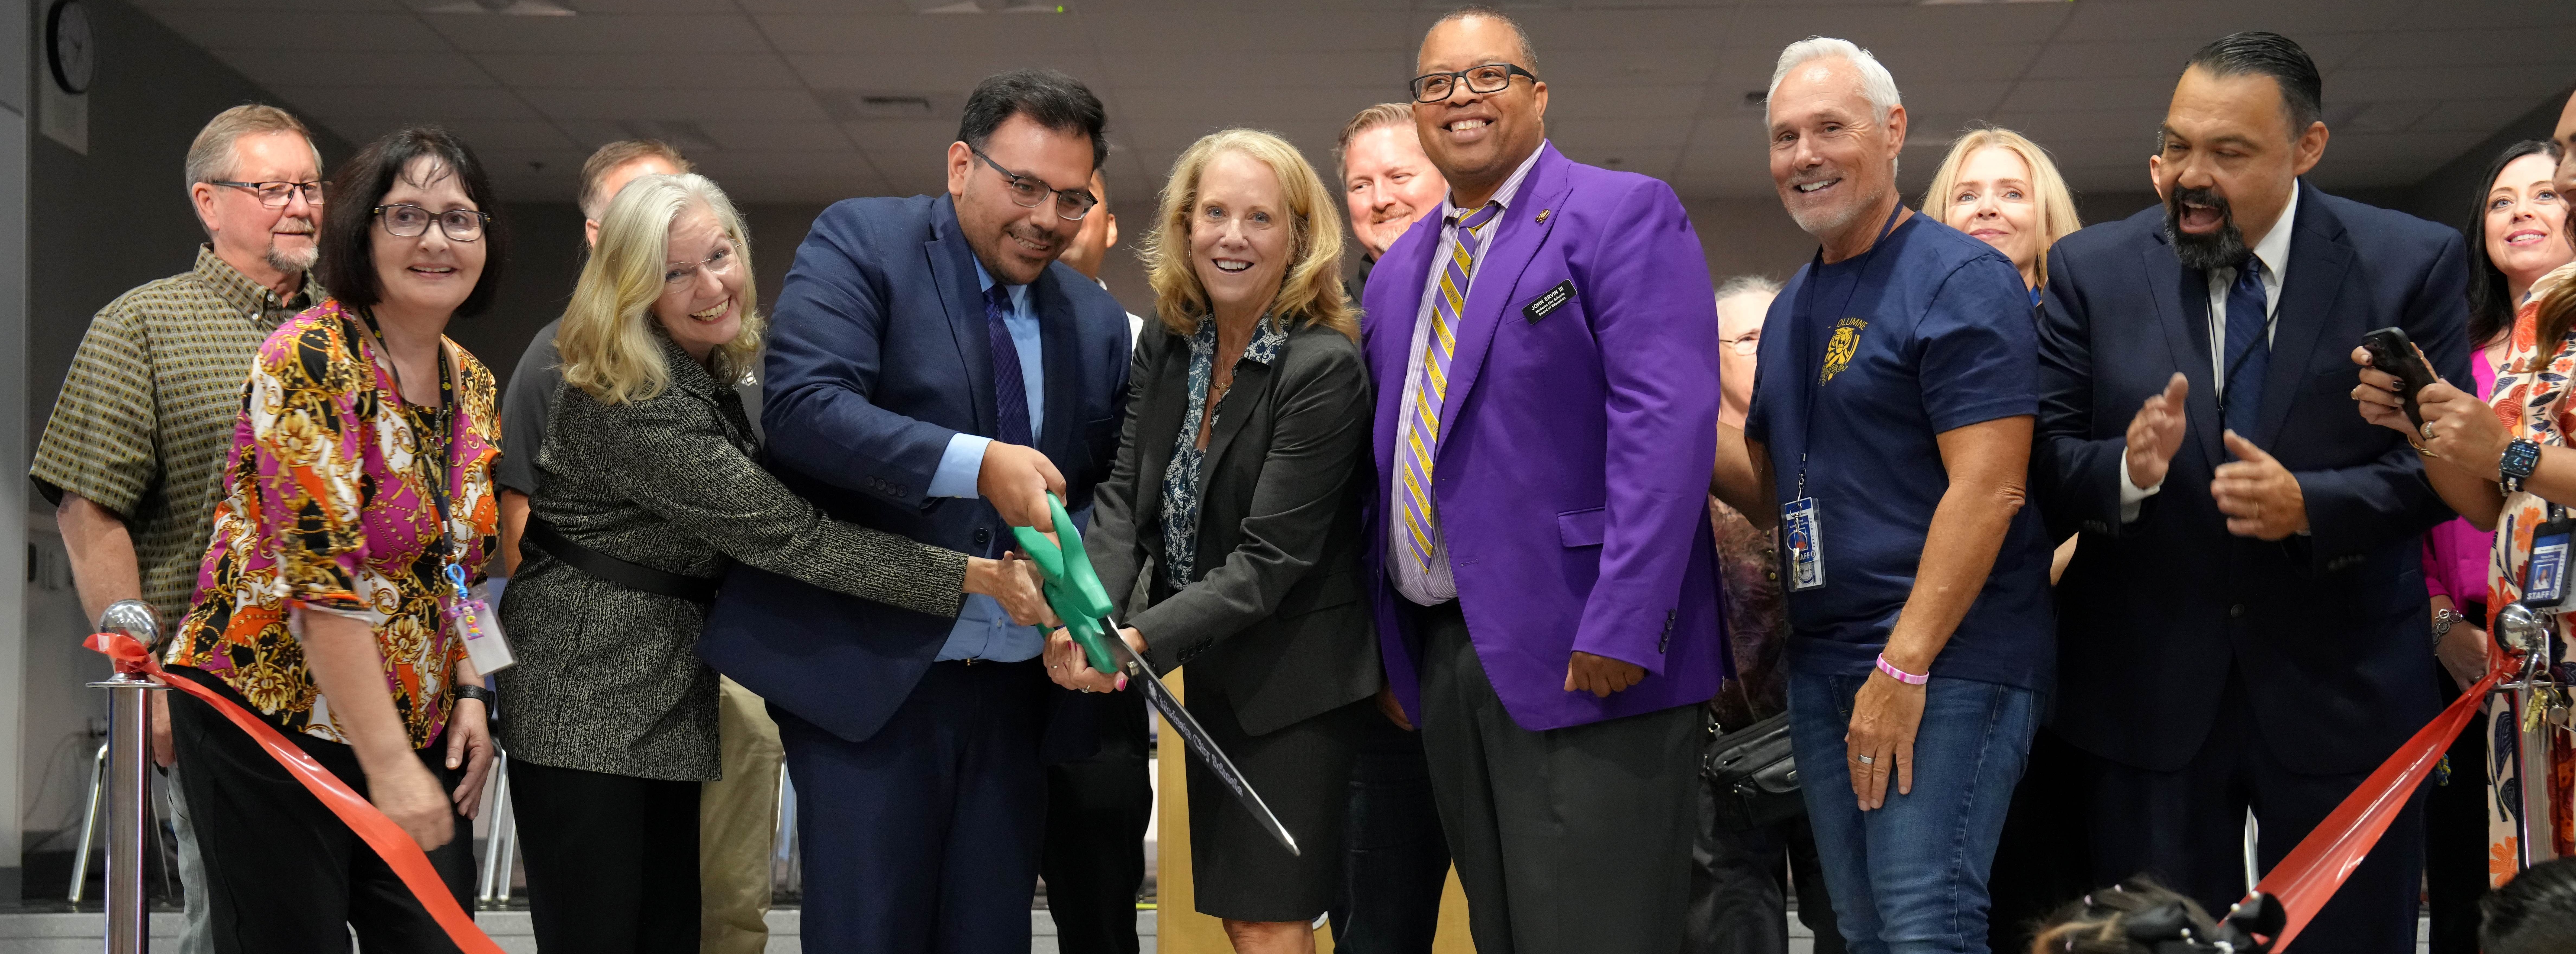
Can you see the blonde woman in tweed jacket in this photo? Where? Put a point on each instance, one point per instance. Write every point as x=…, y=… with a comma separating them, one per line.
x=647, y=492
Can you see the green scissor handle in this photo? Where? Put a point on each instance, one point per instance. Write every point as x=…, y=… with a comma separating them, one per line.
x=1072, y=588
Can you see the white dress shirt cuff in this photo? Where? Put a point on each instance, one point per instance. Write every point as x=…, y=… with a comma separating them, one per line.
x=2132, y=497
x=959, y=466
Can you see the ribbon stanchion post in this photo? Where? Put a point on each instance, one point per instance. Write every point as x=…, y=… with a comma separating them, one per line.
x=380, y=833
x=129, y=805
x=2308, y=877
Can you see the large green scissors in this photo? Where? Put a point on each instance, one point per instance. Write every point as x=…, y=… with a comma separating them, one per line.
x=1073, y=589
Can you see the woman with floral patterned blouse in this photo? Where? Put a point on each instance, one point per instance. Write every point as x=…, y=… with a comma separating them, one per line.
x=2504, y=465
x=358, y=497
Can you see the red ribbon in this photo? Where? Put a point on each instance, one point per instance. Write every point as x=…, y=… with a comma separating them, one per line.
x=2304, y=880
x=379, y=832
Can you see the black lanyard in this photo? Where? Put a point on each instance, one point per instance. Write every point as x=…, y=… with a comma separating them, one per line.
x=433, y=466
x=1803, y=333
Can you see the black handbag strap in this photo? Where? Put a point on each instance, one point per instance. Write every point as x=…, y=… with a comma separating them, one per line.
x=633, y=576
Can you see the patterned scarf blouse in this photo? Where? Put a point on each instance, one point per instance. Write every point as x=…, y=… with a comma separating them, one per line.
x=326, y=509
x=1181, y=478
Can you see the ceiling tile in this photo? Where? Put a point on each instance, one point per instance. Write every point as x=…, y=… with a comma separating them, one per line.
x=696, y=104
x=984, y=40
x=382, y=103
x=629, y=34
x=1962, y=25
x=396, y=72
x=1673, y=104
x=630, y=71
x=2463, y=82
x=510, y=135
x=157, y=7
x=924, y=72
x=1990, y=61
x=2155, y=58
x=2064, y=95
x=777, y=136
x=2514, y=46
x=2206, y=20
x=322, y=30
x=1269, y=27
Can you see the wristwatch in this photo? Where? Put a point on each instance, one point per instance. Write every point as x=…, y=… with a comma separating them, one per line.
x=2443, y=620
x=474, y=691
x=2520, y=457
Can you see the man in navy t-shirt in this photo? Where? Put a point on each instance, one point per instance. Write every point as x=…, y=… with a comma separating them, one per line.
x=1890, y=434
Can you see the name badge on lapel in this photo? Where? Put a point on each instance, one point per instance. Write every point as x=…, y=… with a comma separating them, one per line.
x=1806, y=550
x=1554, y=299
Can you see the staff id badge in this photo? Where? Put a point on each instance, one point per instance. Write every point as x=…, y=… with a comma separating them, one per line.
x=2545, y=588
x=472, y=616
x=1806, y=553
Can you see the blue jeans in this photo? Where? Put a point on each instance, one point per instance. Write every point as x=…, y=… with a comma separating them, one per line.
x=1910, y=877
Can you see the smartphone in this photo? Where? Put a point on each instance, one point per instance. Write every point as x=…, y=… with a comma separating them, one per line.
x=2390, y=351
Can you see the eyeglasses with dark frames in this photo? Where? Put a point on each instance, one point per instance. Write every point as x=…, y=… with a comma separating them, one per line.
x=276, y=195
x=1027, y=191
x=410, y=221
x=1489, y=78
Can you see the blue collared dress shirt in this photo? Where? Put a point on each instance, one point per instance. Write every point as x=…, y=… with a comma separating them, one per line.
x=983, y=630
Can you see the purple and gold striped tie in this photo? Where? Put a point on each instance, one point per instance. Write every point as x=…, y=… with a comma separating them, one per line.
x=1432, y=387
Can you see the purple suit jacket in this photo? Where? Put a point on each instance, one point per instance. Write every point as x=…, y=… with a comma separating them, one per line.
x=1572, y=478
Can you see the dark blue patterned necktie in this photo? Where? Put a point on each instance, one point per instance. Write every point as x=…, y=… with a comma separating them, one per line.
x=1010, y=389
x=2249, y=350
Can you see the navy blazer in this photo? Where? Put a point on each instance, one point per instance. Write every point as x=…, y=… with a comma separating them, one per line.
x=878, y=353
x=2328, y=630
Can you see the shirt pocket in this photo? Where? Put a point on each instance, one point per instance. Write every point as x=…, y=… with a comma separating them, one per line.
x=1581, y=528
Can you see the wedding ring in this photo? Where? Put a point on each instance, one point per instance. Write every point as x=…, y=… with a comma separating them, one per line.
x=2427, y=429
x=1866, y=760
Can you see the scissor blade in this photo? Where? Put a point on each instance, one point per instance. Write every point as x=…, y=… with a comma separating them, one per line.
x=1179, y=718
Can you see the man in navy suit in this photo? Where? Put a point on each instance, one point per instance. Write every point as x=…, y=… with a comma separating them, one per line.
x=2244, y=625
x=933, y=372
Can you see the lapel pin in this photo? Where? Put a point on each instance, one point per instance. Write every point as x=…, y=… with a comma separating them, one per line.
x=1542, y=215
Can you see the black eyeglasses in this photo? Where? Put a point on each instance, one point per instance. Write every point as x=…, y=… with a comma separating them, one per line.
x=408, y=221
x=275, y=195
x=1026, y=192
x=1489, y=78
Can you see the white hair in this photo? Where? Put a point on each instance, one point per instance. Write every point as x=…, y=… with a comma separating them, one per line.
x=1876, y=84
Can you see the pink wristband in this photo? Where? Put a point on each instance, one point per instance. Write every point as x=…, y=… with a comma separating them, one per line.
x=1900, y=675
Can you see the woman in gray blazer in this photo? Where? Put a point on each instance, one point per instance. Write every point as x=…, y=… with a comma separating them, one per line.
x=1237, y=496
x=647, y=491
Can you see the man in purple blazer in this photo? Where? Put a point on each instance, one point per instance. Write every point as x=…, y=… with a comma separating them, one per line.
x=1546, y=358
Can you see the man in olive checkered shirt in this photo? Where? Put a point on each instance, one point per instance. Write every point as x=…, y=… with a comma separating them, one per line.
x=133, y=455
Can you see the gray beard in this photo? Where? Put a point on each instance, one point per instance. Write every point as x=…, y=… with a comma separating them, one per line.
x=1824, y=223
x=292, y=263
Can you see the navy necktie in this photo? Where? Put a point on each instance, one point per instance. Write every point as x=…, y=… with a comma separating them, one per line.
x=1010, y=389
x=2249, y=349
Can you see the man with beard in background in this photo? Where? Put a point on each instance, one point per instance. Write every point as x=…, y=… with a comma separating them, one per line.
x=133, y=455
x=2244, y=625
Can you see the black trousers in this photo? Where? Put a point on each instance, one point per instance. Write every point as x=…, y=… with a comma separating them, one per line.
x=1740, y=882
x=1572, y=839
x=2044, y=859
x=1395, y=862
x=2455, y=836
x=1097, y=809
x=612, y=860
x=2187, y=828
x=283, y=874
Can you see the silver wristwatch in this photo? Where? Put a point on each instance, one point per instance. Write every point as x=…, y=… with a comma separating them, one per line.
x=2443, y=620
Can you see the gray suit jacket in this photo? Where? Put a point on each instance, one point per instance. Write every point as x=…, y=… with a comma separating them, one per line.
x=1273, y=616
x=608, y=678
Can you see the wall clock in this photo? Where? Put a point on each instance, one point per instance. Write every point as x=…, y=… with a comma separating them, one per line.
x=70, y=48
